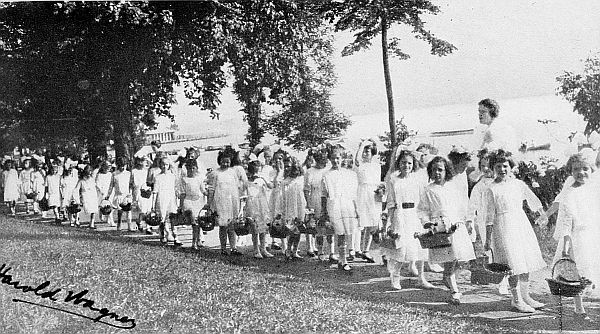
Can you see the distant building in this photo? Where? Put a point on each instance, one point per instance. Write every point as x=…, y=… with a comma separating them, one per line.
x=165, y=136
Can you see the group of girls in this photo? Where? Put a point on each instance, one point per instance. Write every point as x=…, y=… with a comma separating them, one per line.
x=344, y=194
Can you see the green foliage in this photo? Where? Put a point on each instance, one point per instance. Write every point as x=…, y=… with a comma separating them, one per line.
x=307, y=117
x=545, y=181
x=582, y=89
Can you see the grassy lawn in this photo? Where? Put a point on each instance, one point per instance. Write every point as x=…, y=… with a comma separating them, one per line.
x=180, y=291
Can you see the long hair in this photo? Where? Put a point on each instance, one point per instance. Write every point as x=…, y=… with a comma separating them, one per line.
x=447, y=167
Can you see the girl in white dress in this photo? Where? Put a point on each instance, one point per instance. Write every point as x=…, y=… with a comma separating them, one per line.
x=225, y=200
x=26, y=186
x=143, y=205
x=438, y=205
x=509, y=232
x=338, y=204
x=368, y=171
x=86, y=194
x=192, y=194
x=10, y=179
x=276, y=196
x=121, y=185
x=68, y=182
x=37, y=186
x=257, y=208
x=313, y=190
x=53, y=191
x=294, y=203
x=103, y=182
x=165, y=201
x=404, y=192
x=577, y=226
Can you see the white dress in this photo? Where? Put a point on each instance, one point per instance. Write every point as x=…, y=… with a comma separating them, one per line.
x=369, y=211
x=25, y=184
x=276, y=196
x=194, y=198
x=226, y=200
x=441, y=202
x=294, y=203
x=257, y=206
x=404, y=195
x=513, y=240
x=103, y=181
x=53, y=186
x=578, y=217
x=86, y=193
x=340, y=187
x=38, y=185
x=139, y=177
x=120, y=182
x=67, y=186
x=313, y=182
x=164, y=187
x=11, y=185
x=477, y=207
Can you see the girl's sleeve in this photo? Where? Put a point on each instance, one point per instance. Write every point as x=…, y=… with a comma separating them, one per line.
x=568, y=183
x=391, y=194
x=564, y=222
x=424, y=206
x=532, y=200
x=490, y=207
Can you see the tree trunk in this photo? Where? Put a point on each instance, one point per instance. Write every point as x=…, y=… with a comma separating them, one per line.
x=388, y=81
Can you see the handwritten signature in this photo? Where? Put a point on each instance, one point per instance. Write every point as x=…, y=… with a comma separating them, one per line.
x=71, y=297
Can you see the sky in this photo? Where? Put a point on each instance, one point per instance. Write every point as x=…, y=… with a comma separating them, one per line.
x=505, y=50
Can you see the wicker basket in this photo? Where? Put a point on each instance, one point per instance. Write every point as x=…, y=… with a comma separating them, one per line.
x=483, y=272
x=153, y=218
x=565, y=279
x=126, y=203
x=207, y=221
x=73, y=208
x=105, y=207
x=277, y=228
x=430, y=240
x=146, y=193
x=242, y=225
x=309, y=225
x=43, y=203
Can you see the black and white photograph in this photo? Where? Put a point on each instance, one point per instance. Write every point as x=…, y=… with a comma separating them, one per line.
x=300, y=166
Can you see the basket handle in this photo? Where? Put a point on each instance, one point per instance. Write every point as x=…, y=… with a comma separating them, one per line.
x=560, y=260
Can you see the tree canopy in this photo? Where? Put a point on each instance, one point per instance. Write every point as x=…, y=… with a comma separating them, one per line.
x=583, y=91
x=90, y=71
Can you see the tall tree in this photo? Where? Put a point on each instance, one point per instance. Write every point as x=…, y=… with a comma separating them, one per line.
x=372, y=18
x=583, y=90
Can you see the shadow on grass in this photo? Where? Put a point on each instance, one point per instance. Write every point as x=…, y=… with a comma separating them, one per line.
x=368, y=282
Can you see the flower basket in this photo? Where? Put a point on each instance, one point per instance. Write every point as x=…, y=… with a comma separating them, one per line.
x=207, y=221
x=126, y=203
x=565, y=279
x=483, y=272
x=43, y=203
x=31, y=195
x=73, y=208
x=146, y=193
x=277, y=228
x=105, y=207
x=153, y=218
x=309, y=225
x=431, y=240
x=242, y=225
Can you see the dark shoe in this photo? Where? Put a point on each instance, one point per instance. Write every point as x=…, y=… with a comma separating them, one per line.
x=236, y=252
x=332, y=259
x=344, y=267
x=368, y=258
x=350, y=258
x=178, y=243
x=311, y=255
x=275, y=247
